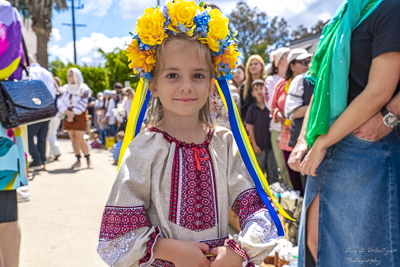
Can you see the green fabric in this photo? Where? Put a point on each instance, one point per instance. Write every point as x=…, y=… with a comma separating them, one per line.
x=330, y=67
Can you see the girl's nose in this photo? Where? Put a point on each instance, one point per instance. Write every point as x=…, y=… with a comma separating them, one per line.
x=186, y=85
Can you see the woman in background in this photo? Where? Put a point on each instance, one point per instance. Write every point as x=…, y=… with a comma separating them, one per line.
x=255, y=69
x=278, y=69
x=73, y=103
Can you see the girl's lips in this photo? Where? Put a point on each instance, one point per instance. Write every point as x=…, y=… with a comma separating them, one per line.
x=185, y=99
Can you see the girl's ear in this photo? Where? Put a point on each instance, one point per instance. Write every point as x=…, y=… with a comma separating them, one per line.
x=153, y=88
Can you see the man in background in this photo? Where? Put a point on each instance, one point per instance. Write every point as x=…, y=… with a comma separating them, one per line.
x=38, y=150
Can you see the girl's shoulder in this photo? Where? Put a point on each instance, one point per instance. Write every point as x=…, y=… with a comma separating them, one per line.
x=222, y=136
x=147, y=142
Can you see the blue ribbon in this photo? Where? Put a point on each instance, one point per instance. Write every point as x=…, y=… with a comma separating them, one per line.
x=245, y=156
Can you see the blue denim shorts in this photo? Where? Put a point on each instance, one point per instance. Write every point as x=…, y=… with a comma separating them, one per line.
x=358, y=187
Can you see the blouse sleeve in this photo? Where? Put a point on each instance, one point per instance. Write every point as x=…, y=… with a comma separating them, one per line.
x=269, y=89
x=126, y=236
x=294, y=98
x=258, y=234
x=81, y=103
x=61, y=104
x=274, y=103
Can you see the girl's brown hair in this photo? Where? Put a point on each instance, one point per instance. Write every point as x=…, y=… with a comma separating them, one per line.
x=155, y=108
x=263, y=74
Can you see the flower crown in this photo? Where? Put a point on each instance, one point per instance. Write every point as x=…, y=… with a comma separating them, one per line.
x=182, y=17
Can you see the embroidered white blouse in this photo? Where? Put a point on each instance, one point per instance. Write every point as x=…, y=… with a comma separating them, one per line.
x=76, y=100
x=172, y=189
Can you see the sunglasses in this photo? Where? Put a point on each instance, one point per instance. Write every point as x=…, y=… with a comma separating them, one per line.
x=304, y=62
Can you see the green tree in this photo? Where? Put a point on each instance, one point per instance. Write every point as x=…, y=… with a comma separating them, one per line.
x=256, y=31
x=302, y=31
x=117, y=67
x=95, y=77
x=40, y=11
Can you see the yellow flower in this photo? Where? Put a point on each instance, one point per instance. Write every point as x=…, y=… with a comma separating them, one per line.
x=218, y=30
x=183, y=12
x=145, y=60
x=218, y=25
x=229, y=57
x=150, y=27
x=211, y=42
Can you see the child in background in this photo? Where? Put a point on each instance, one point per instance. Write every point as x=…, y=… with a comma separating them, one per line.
x=169, y=203
x=103, y=125
x=117, y=146
x=257, y=124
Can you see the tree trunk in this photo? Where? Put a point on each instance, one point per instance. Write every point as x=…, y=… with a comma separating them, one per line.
x=43, y=36
x=41, y=25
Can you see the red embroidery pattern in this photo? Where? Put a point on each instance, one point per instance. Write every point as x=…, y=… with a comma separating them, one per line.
x=193, y=202
x=162, y=263
x=118, y=220
x=150, y=245
x=247, y=203
x=174, y=188
x=213, y=243
x=238, y=250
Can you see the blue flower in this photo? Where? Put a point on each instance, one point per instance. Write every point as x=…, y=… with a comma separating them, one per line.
x=167, y=17
x=182, y=27
x=201, y=21
x=143, y=46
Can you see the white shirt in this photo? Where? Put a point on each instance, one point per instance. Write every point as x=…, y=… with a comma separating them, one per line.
x=37, y=72
x=109, y=112
x=294, y=98
x=270, y=83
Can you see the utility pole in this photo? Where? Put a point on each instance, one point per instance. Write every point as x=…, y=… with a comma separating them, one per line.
x=74, y=25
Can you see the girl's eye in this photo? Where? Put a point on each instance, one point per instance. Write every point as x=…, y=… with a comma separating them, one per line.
x=199, y=76
x=172, y=76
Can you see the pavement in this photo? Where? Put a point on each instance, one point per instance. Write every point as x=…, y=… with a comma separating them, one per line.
x=60, y=224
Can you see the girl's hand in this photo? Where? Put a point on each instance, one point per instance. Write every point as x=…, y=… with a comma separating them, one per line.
x=314, y=157
x=281, y=116
x=299, y=151
x=191, y=254
x=226, y=257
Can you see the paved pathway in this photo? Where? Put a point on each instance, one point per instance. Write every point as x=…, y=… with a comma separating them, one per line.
x=60, y=224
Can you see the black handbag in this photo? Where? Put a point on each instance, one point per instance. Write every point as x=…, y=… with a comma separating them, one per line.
x=25, y=102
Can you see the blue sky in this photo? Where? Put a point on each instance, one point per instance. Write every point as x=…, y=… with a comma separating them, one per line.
x=108, y=23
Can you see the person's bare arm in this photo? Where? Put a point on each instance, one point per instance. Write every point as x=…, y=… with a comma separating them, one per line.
x=374, y=129
x=383, y=79
x=394, y=105
x=300, y=112
x=301, y=147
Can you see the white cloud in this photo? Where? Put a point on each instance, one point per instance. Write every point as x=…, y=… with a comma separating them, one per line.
x=55, y=35
x=96, y=7
x=129, y=8
x=87, y=49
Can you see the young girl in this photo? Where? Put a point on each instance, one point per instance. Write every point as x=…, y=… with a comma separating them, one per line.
x=169, y=203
